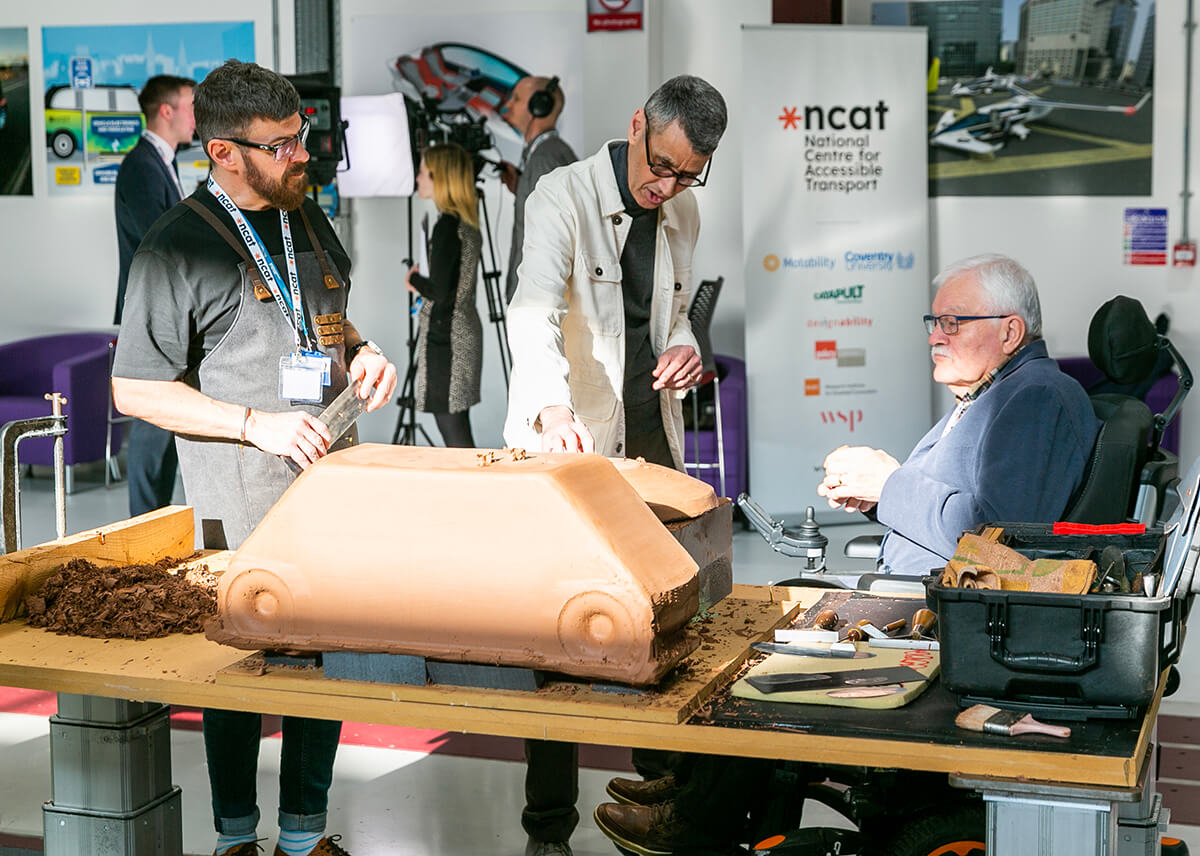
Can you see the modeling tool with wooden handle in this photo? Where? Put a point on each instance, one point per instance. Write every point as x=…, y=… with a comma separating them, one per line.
x=922, y=621
x=993, y=720
x=826, y=619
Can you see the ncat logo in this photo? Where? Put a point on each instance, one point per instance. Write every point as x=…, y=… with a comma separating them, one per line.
x=862, y=117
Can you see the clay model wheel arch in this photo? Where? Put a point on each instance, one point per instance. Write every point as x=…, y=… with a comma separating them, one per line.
x=269, y=608
x=594, y=625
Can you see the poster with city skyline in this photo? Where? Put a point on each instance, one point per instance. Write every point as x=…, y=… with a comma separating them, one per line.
x=1036, y=97
x=92, y=76
x=16, y=176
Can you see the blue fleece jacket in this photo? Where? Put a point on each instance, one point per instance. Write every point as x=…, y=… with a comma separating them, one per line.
x=1017, y=454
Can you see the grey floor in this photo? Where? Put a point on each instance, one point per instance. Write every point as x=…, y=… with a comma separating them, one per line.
x=384, y=801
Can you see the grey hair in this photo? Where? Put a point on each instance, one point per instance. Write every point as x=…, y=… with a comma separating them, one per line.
x=696, y=105
x=1010, y=288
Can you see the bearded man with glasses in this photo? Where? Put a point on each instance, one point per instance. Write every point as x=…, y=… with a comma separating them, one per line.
x=235, y=337
x=601, y=345
x=1015, y=445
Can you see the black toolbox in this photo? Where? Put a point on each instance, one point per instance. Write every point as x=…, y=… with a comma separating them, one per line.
x=1071, y=656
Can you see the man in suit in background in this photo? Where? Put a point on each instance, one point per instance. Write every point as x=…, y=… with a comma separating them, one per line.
x=147, y=186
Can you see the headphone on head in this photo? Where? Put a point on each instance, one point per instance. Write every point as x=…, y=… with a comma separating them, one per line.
x=541, y=103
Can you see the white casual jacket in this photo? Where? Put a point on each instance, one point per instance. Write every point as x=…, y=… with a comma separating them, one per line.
x=566, y=323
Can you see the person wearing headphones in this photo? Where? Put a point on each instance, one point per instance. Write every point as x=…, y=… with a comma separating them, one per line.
x=532, y=109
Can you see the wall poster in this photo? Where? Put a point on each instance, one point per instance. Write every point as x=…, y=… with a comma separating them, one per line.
x=16, y=174
x=92, y=77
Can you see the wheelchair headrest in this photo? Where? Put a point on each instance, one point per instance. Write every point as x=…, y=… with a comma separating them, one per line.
x=1122, y=341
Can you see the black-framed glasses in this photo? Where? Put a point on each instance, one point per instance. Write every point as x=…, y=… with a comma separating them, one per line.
x=683, y=179
x=282, y=151
x=949, y=323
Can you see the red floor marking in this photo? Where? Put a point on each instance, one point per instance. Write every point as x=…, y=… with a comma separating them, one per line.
x=427, y=740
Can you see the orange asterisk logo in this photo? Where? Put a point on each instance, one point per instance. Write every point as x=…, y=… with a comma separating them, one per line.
x=789, y=118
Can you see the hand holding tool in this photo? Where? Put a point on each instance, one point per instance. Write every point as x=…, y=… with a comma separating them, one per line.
x=993, y=720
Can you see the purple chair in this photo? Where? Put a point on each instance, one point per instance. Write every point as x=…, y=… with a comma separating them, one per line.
x=733, y=452
x=76, y=365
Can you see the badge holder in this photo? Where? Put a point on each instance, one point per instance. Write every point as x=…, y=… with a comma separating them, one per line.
x=300, y=379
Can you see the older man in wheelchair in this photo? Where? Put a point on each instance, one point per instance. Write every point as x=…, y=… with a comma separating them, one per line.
x=1022, y=443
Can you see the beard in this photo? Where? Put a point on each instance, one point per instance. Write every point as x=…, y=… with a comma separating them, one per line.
x=285, y=193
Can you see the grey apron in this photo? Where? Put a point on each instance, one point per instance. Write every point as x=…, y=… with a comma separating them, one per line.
x=232, y=485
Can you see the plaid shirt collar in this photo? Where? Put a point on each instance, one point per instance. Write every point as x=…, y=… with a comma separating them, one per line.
x=973, y=392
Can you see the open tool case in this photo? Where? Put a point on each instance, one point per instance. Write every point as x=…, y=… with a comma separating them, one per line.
x=1073, y=656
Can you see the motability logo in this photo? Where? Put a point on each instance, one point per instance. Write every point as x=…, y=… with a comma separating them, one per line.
x=862, y=117
x=845, y=294
x=772, y=262
x=878, y=261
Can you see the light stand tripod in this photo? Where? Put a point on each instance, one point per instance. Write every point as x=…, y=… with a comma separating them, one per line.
x=493, y=288
x=407, y=427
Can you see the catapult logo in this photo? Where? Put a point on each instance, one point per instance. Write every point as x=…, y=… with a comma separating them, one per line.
x=838, y=117
x=845, y=294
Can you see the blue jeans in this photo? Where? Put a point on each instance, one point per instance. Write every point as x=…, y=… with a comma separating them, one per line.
x=231, y=741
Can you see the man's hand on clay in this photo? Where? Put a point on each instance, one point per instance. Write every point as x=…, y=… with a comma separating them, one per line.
x=294, y=434
x=563, y=432
x=678, y=368
x=854, y=477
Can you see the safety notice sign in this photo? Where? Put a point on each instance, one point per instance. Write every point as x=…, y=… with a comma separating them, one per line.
x=1144, y=238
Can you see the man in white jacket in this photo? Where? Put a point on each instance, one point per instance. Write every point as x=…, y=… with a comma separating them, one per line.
x=598, y=328
x=598, y=325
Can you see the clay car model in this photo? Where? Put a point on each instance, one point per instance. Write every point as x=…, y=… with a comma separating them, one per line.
x=552, y=562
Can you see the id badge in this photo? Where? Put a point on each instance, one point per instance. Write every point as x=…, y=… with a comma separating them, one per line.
x=298, y=379
x=320, y=362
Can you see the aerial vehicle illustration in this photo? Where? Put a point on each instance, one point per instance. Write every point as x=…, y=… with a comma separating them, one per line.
x=985, y=131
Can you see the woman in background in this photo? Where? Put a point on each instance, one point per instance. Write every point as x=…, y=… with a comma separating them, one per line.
x=450, y=337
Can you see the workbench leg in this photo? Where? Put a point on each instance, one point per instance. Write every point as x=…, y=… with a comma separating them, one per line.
x=111, y=788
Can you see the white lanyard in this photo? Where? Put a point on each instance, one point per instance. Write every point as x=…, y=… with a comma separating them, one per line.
x=294, y=314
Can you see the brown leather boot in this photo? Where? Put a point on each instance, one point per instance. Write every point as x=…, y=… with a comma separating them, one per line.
x=649, y=792
x=652, y=830
x=327, y=846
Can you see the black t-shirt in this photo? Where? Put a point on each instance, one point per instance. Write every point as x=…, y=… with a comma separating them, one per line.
x=185, y=285
x=643, y=410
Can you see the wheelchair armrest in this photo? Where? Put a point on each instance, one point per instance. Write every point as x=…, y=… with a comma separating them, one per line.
x=863, y=547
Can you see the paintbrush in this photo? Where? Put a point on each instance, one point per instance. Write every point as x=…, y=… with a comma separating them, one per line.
x=993, y=720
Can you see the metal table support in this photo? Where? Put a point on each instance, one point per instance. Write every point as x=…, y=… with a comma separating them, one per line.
x=1040, y=819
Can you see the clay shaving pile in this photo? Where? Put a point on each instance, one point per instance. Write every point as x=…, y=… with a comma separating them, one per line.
x=134, y=602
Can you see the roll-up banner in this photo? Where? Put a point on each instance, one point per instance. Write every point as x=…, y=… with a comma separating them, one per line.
x=837, y=251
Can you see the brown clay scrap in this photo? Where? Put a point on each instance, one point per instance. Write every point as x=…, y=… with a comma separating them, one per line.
x=552, y=561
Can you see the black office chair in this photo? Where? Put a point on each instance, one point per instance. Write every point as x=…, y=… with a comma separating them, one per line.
x=1127, y=474
x=700, y=315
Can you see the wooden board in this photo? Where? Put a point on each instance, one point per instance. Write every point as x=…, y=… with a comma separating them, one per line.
x=727, y=632
x=167, y=532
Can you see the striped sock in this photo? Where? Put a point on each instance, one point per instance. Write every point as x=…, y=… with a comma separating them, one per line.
x=295, y=842
x=227, y=842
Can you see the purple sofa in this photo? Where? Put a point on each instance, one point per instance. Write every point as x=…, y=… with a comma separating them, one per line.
x=74, y=364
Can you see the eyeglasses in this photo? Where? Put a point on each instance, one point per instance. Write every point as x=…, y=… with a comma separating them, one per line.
x=282, y=151
x=949, y=323
x=683, y=179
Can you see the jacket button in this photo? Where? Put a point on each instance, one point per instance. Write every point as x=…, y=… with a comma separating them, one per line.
x=679, y=286
x=616, y=219
x=599, y=271
x=618, y=447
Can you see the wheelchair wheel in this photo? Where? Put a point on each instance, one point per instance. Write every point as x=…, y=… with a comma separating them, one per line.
x=958, y=832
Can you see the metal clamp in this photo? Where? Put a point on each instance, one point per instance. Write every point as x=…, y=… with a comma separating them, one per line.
x=11, y=434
